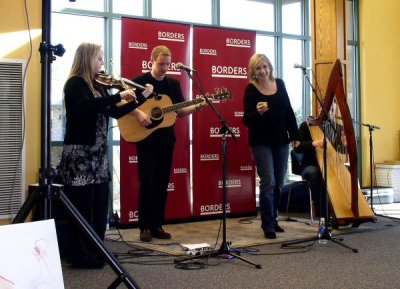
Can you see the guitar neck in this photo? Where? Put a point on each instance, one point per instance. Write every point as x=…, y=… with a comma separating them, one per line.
x=180, y=105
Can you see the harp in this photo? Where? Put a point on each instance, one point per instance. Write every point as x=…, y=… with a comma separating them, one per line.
x=346, y=199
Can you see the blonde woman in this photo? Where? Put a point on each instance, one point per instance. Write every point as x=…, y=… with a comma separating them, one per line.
x=84, y=168
x=271, y=125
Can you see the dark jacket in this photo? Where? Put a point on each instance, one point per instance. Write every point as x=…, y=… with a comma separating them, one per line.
x=277, y=126
x=82, y=109
x=306, y=148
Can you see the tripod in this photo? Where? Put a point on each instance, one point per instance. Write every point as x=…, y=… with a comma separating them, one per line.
x=325, y=234
x=46, y=191
x=225, y=246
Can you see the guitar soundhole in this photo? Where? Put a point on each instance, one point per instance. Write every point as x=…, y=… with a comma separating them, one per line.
x=156, y=113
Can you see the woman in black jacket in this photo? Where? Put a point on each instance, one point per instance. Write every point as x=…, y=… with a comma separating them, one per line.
x=84, y=168
x=271, y=125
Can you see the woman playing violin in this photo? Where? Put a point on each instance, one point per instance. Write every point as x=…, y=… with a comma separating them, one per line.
x=84, y=169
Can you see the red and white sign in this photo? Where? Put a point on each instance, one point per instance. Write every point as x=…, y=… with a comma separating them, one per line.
x=220, y=57
x=138, y=38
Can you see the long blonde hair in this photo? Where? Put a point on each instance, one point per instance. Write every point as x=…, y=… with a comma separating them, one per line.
x=253, y=62
x=84, y=62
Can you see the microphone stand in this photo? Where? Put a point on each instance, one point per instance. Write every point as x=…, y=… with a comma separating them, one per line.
x=225, y=246
x=371, y=128
x=326, y=234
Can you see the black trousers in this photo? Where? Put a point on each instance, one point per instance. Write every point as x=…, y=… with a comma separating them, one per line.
x=154, y=168
x=314, y=176
x=92, y=203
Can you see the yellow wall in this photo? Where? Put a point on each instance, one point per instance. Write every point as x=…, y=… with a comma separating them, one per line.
x=14, y=39
x=380, y=79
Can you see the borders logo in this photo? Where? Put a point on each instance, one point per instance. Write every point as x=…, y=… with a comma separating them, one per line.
x=228, y=71
x=137, y=45
x=216, y=132
x=213, y=209
x=235, y=183
x=180, y=170
x=246, y=168
x=209, y=157
x=171, y=36
x=235, y=42
x=171, y=187
x=208, y=51
x=133, y=159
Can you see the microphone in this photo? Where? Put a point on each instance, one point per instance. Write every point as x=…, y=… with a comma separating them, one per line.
x=296, y=65
x=184, y=67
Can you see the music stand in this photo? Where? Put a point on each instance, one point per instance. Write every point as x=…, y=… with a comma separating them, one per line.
x=46, y=191
x=225, y=130
x=326, y=234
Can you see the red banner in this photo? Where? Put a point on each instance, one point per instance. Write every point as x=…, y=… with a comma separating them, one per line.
x=138, y=38
x=221, y=58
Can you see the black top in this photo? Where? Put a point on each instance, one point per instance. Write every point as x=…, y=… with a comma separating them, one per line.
x=82, y=109
x=277, y=126
x=170, y=87
x=306, y=147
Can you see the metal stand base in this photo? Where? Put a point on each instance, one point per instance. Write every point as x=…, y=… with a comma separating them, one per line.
x=326, y=235
x=223, y=250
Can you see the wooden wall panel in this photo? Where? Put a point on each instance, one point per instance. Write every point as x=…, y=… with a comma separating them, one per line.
x=328, y=39
x=324, y=30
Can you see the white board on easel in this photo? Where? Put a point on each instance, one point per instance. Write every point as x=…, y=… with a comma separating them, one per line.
x=29, y=256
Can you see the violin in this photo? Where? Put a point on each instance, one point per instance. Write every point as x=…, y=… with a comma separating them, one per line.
x=107, y=81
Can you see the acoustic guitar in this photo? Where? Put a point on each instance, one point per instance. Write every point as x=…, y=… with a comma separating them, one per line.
x=162, y=114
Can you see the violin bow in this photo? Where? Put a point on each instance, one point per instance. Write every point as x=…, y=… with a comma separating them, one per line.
x=120, y=78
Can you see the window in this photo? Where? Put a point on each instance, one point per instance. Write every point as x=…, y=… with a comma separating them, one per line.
x=193, y=11
x=352, y=57
x=81, y=4
x=292, y=50
x=353, y=80
x=255, y=15
x=292, y=17
x=131, y=7
x=80, y=28
x=266, y=45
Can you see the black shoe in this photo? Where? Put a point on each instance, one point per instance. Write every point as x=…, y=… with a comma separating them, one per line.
x=270, y=235
x=145, y=235
x=279, y=229
x=160, y=234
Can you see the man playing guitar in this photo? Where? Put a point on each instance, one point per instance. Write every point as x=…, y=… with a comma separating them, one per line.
x=155, y=152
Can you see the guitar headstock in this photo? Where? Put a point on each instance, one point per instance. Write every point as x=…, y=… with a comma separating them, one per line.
x=220, y=94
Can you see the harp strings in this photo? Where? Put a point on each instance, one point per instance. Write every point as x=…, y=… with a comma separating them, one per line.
x=336, y=138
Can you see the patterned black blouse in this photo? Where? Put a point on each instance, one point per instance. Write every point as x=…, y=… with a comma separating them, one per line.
x=82, y=165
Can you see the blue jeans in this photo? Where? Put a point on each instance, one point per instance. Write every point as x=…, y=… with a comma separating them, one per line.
x=271, y=162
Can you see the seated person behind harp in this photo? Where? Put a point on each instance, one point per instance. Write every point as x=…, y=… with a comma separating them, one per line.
x=310, y=169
